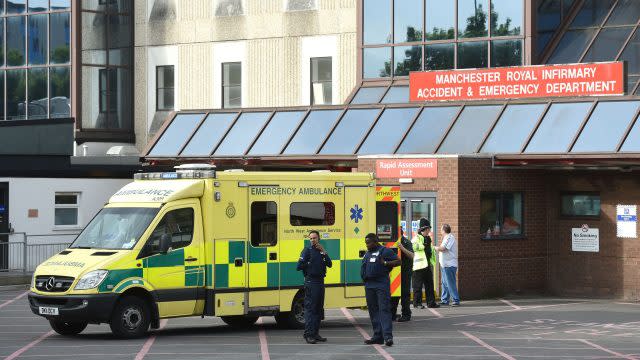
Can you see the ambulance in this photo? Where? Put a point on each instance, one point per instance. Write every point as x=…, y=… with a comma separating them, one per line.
x=202, y=242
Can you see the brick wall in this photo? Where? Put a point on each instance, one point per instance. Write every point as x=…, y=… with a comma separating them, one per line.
x=542, y=259
x=615, y=270
x=487, y=267
x=495, y=267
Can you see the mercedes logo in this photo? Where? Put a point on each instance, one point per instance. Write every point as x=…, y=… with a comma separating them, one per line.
x=50, y=284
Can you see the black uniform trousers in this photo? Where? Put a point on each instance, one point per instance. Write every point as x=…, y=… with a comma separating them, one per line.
x=423, y=278
x=405, y=295
x=313, y=305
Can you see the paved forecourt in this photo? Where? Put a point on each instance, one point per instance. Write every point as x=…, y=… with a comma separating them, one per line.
x=512, y=328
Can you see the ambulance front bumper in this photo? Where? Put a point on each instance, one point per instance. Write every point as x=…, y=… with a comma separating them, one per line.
x=95, y=308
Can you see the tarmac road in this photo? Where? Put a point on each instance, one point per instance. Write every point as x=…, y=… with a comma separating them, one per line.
x=514, y=328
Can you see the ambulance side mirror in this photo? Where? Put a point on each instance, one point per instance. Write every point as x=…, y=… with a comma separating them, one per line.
x=164, y=244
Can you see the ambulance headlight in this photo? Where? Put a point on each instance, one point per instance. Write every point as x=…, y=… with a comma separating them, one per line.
x=91, y=280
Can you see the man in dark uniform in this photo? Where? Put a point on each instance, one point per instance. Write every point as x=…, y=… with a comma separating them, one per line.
x=313, y=263
x=376, y=265
x=406, y=268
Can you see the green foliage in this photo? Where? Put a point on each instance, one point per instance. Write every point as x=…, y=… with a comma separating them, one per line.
x=60, y=55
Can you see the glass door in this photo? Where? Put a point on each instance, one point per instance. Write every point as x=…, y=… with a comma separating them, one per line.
x=417, y=205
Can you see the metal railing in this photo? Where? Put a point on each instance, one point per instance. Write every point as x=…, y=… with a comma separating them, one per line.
x=20, y=253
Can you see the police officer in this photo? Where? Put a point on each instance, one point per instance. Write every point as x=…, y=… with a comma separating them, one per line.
x=376, y=265
x=405, y=281
x=313, y=263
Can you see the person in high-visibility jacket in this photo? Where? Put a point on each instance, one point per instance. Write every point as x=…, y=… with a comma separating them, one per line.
x=422, y=266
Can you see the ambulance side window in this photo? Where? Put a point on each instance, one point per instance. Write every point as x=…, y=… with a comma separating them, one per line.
x=176, y=223
x=312, y=213
x=264, y=223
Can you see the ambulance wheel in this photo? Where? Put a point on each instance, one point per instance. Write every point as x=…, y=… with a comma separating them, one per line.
x=67, y=328
x=293, y=319
x=239, y=321
x=130, y=318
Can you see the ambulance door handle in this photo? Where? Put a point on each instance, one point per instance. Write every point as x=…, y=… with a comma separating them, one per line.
x=238, y=262
x=273, y=256
x=189, y=259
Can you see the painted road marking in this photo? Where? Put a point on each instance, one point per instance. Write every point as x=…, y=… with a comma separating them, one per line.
x=487, y=346
x=436, y=313
x=147, y=344
x=501, y=311
x=364, y=334
x=514, y=306
x=264, y=346
x=14, y=299
x=629, y=357
x=29, y=346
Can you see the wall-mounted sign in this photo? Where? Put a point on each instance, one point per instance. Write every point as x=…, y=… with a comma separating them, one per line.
x=627, y=217
x=585, y=239
x=407, y=168
x=595, y=79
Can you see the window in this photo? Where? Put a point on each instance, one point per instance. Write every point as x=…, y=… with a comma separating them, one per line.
x=439, y=35
x=108, y=90
x=165, y=88
x=264, y=223
x=229, y=8
x=501, y=215
x=321, y=81
x=178, y=224
x=231, y=85
x=300, y=5
x=106, y=52
x=66, y=209
x=580, y=205
x=312, y=214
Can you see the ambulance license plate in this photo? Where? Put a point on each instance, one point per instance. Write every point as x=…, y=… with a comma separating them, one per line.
x=45, y=310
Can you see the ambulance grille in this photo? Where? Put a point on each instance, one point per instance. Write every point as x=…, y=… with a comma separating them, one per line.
x=50, y=283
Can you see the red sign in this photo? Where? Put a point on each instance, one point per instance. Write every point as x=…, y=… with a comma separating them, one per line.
x=407, y=168
x=596, y=79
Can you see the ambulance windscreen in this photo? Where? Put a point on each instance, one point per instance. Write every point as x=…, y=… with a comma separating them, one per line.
x=115, y=228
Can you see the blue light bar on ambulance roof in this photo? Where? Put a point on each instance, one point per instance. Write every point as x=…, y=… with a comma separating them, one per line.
x=185, y=171
x=183, y=174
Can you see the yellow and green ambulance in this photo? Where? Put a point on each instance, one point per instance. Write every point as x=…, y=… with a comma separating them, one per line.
x=201, y=242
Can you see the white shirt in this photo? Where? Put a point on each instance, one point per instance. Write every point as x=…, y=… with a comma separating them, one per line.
x=449, y=258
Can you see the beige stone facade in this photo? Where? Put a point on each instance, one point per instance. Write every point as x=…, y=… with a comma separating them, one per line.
x=273, y=61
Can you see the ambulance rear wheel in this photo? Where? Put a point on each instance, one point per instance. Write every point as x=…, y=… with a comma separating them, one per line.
x=239, y=321
x=67, y=328
x=130, y=318
x=293, y=319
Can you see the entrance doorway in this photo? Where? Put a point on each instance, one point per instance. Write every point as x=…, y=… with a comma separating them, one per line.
x=417, y=205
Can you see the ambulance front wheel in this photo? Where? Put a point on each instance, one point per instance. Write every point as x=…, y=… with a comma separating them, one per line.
x=293, y=319
x=239, y=321
x=131, y=318
x=67, y=328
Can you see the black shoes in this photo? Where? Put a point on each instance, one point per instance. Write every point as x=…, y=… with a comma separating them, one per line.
x=375, y=341
x=403, y=318
x=433, y=306
x=314, y=339
x=388, y=342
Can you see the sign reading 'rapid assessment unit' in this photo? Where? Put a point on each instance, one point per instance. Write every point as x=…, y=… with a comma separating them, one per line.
x=597, y=79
